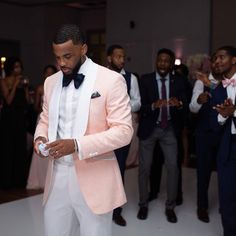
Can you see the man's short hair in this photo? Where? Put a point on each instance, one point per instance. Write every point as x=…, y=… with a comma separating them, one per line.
x=10, y=64
x=229, y=49
x=69, y=32
x=113, y=47
x=168, y=52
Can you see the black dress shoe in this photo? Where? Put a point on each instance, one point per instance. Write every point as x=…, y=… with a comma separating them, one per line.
x=118, y=219
x=170, y=216
x=202, y=215
x=142, y=213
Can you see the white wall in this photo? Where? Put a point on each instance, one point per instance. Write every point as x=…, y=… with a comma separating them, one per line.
x=181, y=25
x=223, y=23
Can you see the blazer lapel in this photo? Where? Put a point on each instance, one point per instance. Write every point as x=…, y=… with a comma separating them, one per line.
x=154, y=86
x=85, y=91
x=54, y=109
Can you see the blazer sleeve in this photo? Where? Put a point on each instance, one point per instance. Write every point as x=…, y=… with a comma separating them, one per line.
x=42, y=126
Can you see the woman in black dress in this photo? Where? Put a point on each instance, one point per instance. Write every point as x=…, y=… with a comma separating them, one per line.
x=13, y=158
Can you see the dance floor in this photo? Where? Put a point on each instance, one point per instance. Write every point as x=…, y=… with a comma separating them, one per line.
x=24, y=217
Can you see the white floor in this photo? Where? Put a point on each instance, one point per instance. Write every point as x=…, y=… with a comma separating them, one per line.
x=24, y=217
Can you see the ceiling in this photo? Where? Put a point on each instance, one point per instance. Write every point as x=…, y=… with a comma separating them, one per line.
x=81, y=4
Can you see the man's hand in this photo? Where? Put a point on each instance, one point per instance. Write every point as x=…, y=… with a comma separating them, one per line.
x=203, y=98
x=174, y=102
x=226, y=109
x=60, y=148
x=204, y=78
x=37, y=141
x=160, y=103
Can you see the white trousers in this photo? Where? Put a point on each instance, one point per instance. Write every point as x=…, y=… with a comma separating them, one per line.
x=66, y=212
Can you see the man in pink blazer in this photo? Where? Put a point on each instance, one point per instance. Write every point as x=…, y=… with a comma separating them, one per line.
x=86, y=115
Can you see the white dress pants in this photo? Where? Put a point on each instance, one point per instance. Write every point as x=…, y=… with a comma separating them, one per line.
x=66, y=212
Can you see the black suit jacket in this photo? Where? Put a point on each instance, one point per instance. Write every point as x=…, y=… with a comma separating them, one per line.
x=149, y=94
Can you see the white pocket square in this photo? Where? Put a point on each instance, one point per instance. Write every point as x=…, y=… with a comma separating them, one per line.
x=95, y=95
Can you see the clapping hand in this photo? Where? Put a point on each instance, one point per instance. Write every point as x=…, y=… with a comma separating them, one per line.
x=174, y=102
x=226, y=109
x=203, y=77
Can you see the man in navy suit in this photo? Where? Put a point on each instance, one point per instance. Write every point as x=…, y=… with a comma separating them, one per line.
x=163, y=106
x=223, y=120
x=206, y=140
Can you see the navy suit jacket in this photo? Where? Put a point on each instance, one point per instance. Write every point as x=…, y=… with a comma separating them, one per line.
x=218, y=97
x=149, y=94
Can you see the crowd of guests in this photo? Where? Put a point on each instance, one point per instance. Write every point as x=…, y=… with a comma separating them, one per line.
x=167, y=101
x=162, y=104
x=18, y=115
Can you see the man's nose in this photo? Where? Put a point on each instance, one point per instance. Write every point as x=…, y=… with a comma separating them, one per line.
x=61, y=62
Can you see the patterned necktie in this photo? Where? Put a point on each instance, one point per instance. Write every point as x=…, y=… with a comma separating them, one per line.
x=77, y=80
x=164, y=120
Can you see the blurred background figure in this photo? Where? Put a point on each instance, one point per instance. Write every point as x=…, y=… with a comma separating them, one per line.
x=38, y=168
x=206, y=140
x=13, y=126
x=116, y=62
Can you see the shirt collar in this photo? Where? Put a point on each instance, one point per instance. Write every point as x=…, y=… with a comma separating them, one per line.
x=212, y=79
x=122, y=71
x=82, y=69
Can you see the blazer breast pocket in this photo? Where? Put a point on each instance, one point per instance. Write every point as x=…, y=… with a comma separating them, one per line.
x=95, y=95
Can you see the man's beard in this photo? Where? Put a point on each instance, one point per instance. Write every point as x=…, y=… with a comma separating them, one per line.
x=115, y=67
x=74, y=72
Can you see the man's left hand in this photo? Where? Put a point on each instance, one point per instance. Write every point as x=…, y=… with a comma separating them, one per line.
x=60, y=148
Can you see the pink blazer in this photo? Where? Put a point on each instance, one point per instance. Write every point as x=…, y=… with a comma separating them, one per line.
x=108, y=127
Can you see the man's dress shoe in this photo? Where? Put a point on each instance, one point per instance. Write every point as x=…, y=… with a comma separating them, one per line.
x=142, y=213
x=202, y=215
x=118, y=219
x=170, y=216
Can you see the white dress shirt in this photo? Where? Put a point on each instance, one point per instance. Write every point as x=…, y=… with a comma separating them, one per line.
x=167, y=84
x=198, y=88
x=231, y=92
x=67, y=115
x=134, y=94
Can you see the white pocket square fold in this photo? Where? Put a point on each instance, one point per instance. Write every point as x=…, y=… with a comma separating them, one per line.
x=95, y=95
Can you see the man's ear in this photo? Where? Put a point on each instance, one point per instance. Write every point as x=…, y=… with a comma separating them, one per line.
x=84, y=49
x=109, y=59
x=234, y=61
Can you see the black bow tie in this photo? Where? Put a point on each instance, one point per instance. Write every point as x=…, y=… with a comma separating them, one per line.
x=79, y=78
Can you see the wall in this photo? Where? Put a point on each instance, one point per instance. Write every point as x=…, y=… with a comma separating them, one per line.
x=183, y=26
x=223, y=23
x=24, y=25
x=34, y=27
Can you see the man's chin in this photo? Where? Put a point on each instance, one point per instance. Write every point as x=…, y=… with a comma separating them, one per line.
x=162, y=74
x=67, y=72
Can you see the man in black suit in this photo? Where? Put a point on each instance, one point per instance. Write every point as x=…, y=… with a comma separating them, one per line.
x=163, y=106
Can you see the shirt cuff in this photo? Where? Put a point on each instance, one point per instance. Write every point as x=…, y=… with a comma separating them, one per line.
x=40, y=136
x=195, y=107
x=221, y=119
x=79, y=153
